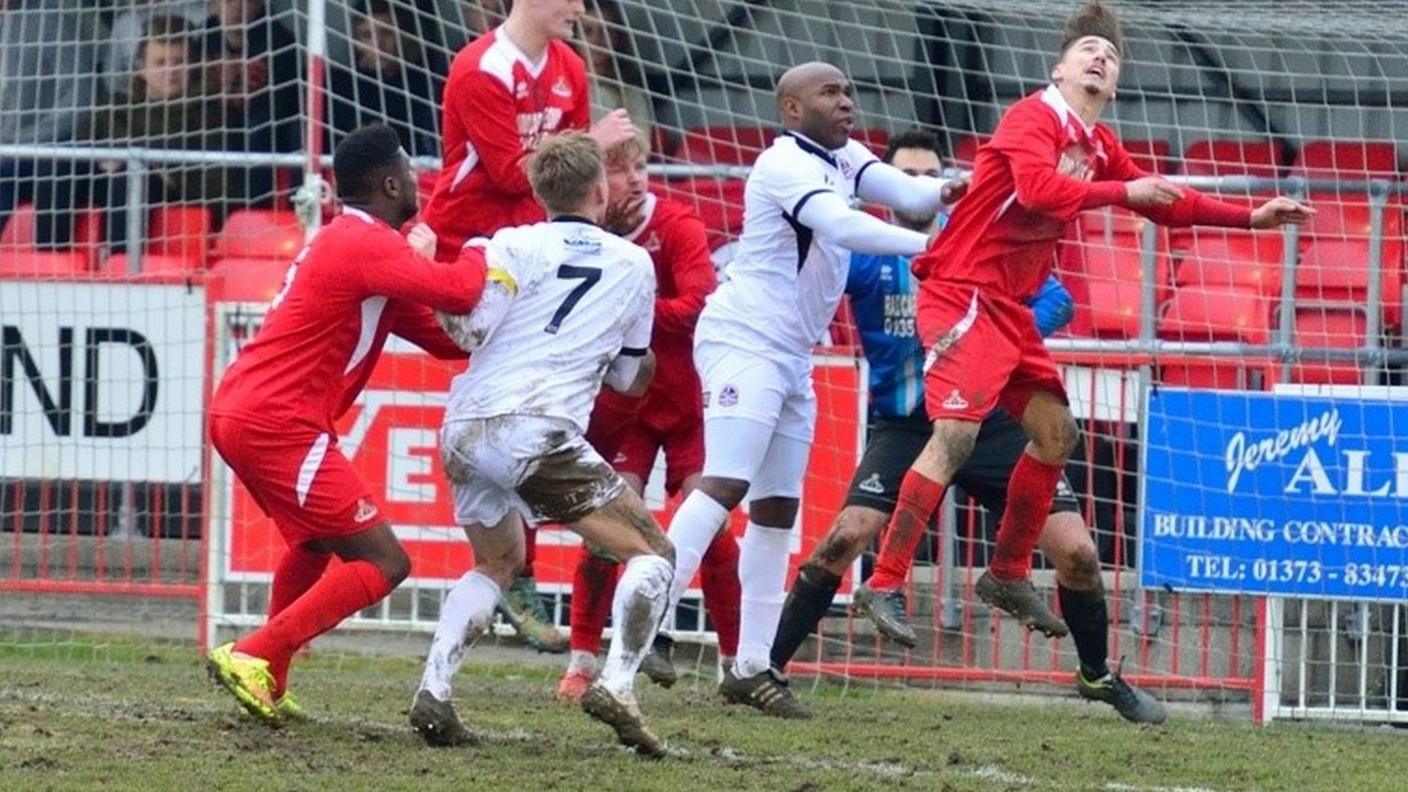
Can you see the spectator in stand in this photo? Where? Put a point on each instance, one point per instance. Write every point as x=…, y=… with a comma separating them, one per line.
x=129, y=28
x=613, y=69
x=161, y=107
x=391, y=80
x=254, y=63
x=476, y=17
x=49, y=53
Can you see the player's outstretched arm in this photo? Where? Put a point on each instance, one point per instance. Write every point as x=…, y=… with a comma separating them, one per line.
x=418, y=324
x=828, y=216
x=393, y=268
x=470, y=330
x=882, y=183
x=1179, y=206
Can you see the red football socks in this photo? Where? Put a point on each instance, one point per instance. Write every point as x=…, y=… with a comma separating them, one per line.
x=530, y=551
x=718, y=577
x=343, y=591
x=298, y=570
x=918, y=499
x=593, y=586
x=1029, y=494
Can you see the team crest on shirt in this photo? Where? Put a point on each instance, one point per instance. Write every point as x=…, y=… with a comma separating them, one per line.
x=561, y=88
x=520, y=91
x=366, y=510
x=955, y=401
x=847, y=169
x=873, y=485
x=728, y=396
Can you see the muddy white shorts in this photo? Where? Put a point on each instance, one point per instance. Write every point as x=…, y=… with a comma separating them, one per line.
x=538, y=465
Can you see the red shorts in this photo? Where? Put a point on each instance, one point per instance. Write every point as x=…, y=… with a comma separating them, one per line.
x=300, y=479
x=641, y=442
x=984, y=351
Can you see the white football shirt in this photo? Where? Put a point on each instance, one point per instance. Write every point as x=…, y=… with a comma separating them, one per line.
x=781, y=288
x=583, y=296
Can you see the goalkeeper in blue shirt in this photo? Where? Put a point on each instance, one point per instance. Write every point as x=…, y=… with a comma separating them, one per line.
x=882, y=291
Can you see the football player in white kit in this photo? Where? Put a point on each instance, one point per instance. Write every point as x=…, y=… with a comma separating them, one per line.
x=754, y=342
x=568, y=307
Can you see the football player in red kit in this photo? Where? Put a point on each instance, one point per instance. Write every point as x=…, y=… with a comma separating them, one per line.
x=272, y=417
x=1049, y=159
x=630, y=433
x=507, y=90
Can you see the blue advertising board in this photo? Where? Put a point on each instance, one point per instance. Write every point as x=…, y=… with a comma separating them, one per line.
x=1262, y=493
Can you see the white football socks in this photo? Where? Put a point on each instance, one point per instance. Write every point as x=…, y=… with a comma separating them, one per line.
x=692, y=530
x=466, y=612
x=635, y=613
x=762, y=575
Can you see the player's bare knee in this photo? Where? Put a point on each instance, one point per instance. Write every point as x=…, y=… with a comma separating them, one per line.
x=1080, y=569
x=854, y=529
x=948, y=448
x=395, y=565
x=724, y=491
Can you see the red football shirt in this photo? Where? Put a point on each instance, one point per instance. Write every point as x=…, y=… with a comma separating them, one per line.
x=498, y=106
x=357, y=281
x=678, y=244
x=1042, y=167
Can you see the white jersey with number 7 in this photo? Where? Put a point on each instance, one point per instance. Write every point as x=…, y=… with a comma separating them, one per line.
x=565, y=298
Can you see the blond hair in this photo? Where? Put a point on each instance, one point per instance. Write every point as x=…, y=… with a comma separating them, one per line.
x=627, y=151
x=564, y=170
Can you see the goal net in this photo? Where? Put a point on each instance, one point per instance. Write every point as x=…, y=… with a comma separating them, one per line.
x=159, y=166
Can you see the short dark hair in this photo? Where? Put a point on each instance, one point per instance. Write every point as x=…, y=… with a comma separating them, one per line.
x=1093, y=19
x=163, y=29
x=914, y=138
x=363, y=157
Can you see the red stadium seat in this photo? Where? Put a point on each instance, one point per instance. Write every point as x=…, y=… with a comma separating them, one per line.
x=16, y=263
x=247, y=280
x=180, y=232
x=1334, y=254
x=1153, y=156
x=153, y=264
x=1107, y=259
x=719, y=204
x=1217, y=313
x=1347, y=159
x=1255, y=157
x=19, y=231
x=1334, y=328
x=260, y=233
x=876, y=138
x=725, y=145
x=1221, y=257
x=965, y=150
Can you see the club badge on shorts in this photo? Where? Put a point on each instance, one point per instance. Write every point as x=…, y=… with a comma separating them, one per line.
x=728, y=397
